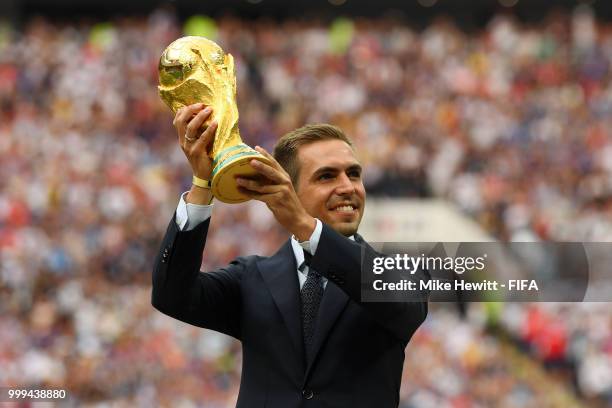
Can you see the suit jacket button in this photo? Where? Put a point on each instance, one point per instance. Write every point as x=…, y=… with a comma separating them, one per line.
x=308, y=394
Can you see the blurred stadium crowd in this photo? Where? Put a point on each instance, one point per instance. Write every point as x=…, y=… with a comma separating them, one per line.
x=511, y=123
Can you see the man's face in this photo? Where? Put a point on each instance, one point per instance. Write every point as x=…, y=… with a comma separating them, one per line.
x=330, y=185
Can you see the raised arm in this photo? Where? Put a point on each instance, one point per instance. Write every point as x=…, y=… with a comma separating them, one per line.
x=180, y=290
x=340, y=260
x=210, y=300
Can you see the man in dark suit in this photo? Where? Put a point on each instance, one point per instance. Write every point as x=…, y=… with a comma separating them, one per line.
x=307, y=338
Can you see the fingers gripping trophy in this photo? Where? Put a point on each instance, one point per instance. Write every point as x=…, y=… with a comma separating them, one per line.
x=196, y=70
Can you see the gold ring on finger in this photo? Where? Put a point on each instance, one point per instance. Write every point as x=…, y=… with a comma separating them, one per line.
x=189, y=139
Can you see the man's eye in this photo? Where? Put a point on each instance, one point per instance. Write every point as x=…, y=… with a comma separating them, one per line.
x=354, y=174
x=325, y=176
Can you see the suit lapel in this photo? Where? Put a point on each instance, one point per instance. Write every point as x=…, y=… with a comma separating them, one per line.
x=333, y=302
x=359, y=239
x=280, y=275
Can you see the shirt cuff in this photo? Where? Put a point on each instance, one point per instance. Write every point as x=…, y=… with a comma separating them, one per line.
x=189, y=216
x=313, y=241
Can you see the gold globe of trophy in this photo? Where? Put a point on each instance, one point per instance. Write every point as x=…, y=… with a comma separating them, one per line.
x=196, y=70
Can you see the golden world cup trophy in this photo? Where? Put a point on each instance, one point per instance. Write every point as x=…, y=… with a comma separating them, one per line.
x=196, y=70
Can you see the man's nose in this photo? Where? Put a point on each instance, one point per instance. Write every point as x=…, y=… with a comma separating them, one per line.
x=345, y=185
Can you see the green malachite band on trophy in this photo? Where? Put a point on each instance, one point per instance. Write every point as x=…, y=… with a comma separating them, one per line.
x=232, y=152
x=232, y=158
x=230, y=149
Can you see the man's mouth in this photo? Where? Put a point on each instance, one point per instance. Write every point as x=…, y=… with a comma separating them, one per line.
x=344, y=208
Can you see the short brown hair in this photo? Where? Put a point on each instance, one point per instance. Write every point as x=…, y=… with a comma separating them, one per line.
x=286, y=149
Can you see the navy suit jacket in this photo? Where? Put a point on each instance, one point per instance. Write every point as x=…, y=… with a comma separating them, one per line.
x=358, y=347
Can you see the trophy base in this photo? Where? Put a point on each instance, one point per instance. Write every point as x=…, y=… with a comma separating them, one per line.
x=230, y=163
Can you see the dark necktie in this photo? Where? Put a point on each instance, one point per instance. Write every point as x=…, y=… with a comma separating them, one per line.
x=311, y=293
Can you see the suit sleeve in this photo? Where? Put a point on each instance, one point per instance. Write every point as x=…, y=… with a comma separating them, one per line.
x=340, y=260
x=210, y=300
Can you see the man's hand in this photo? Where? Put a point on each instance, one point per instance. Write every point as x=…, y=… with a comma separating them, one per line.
x=196, y=143
x=276, y=190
